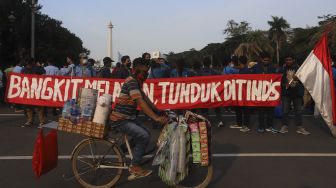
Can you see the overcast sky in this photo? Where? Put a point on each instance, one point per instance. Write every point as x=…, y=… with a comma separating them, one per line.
x=172, y=25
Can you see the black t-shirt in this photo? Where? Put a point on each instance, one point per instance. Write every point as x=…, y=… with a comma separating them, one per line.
x=105, y=72
x=296, y=88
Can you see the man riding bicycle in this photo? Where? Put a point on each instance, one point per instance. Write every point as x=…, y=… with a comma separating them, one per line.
x=123, y=116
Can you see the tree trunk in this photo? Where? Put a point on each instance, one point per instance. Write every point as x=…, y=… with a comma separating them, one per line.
x=277, y=49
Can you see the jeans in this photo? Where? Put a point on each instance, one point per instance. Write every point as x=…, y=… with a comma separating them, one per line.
x=269, y=113
x=286, y=104
x=140, y=134
x=242, y=116
x=40, y=113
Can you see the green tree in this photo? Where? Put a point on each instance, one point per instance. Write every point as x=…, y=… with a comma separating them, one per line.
x=327, y=24
x=277, y=32
x=53, y=42
x=234, y=29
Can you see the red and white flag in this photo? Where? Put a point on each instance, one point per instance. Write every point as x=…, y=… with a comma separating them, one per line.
x=316, y=75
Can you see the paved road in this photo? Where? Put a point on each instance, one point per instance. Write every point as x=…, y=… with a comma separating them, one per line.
x=241, y=160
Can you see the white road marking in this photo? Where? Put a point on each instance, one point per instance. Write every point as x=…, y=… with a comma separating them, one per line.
x=217, y=155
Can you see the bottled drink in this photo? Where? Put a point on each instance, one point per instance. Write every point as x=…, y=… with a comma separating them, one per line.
x=87, y=112
x=66, y=110
x=74, y=112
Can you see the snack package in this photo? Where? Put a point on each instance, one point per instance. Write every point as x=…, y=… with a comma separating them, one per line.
x=204, y=143
x=195, y=142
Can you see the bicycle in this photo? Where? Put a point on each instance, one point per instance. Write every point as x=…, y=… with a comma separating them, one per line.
x=99, y=163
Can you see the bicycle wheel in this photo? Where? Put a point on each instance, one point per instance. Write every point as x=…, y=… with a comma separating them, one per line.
x=87, y=158
x=198, y=176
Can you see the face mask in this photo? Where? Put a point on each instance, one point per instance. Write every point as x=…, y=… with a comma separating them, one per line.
x=128, y=65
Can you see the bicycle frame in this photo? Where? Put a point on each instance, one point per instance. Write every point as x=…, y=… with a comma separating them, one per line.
x=125, y=138
x=130, y=153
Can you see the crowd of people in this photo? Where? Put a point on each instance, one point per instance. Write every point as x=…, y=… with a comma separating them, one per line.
x=292, y=89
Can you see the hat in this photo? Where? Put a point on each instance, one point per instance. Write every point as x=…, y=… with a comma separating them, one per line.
x=107, y=60
x=159, y=55
x=82, y=55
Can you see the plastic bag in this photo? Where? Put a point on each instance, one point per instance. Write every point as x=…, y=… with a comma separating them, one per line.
x=182, y=150
x=173, y=156
x=45, y=154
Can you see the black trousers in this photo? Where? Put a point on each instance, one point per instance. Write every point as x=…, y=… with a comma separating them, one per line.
x=266, y=113
x=242, y=115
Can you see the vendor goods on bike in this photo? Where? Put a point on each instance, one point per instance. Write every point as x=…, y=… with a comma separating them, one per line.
x=77, y=116
x=189, y=135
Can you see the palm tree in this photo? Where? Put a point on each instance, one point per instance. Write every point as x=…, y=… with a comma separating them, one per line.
x=253, y=43
x=277, y=32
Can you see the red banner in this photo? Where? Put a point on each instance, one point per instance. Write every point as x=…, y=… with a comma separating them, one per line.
x=166, y=93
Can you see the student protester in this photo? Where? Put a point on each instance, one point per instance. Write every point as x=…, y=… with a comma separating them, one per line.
x=292, y=92
x=8, y=70
x=334, y=72
x=198, y=67
x=125, y=69
x=84, y=68
x=146, y=56
x=105, y=72
x=159, y=68
x=18, y=67
x=115, y=71
x=51, y=69
x=94, y=67
x=232, y=67
x=208, y=71
x=32, y=68
x=182, y=69
x=265, y=67
x=243, y=112
x=68, y=68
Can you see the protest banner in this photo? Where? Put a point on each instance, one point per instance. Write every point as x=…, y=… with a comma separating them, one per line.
x=166, y=93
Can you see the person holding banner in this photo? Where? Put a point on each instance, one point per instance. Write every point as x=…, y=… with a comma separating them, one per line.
x=105, y=72
x=146, y=56
x=232, y=67
x=208, y=71
x=125, y=69
x=68, y=68
x=123, y=117
x=84, y=69
x=31, y=68
x=265, y=67
x=243, y=112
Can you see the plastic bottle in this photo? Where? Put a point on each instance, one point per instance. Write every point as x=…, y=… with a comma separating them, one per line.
x=74, y=112
x=66, y=109
x=87, y=112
